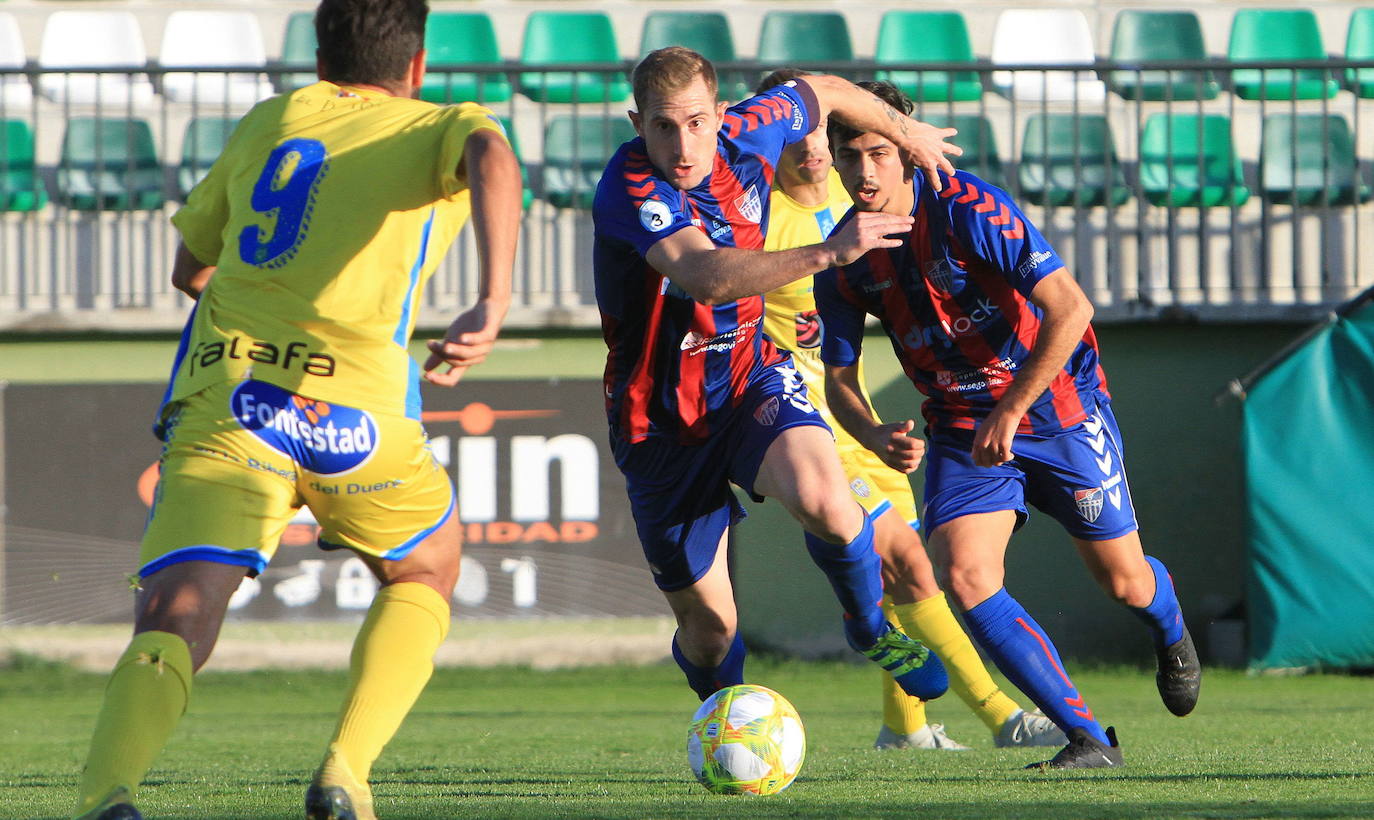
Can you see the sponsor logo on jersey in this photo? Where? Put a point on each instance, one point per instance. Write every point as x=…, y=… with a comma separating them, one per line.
x=749, y=205
x=1089, y=503
x=654, y=215
x=878, y=286
x=328, y=439
x=983, y=314
x=1032, y=262
x=293, y=355
x=976, y=378
x=940, y=273
x=860, y=488
x=697, y=343
x=808, y=329
x=767, y=413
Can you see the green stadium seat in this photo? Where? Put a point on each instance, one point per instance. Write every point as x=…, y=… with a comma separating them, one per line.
x=21, y=189
x=1070, y=160
x=1359, y=45
x=456, y=38
x=797, y=38
x=298, y=52
x=561, y=37
x=1269, y=35
x=204, y=142
x=705, y=32
x=1188, y=160
x=928, y=36
x=109, y=163
x=526, y=195
x=1143, y=37
x=1309, y=159
x=980, y=145
x=576, y=149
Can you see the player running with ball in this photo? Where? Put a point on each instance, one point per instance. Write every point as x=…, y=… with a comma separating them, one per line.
x=993, y=329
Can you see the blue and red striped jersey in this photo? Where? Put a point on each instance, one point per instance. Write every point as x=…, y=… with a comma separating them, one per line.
x=677, y=367
x=954, y=300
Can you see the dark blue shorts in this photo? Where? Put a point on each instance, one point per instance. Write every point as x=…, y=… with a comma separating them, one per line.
x=680, y=494
x=1076, y=477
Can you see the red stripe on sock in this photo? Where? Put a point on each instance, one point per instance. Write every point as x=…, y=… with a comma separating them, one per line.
x=1046, y=649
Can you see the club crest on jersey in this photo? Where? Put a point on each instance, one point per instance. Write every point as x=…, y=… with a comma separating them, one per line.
x=767, y=413
x=749, y=205
x=654, y=215
x=1089, y=503
x=808, y=329
x=940, y=273
x=328, y=439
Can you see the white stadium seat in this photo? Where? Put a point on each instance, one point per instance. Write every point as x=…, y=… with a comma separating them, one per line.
x=1031, y=36
x=213, y=38
x=102, y=40
x=15, y=94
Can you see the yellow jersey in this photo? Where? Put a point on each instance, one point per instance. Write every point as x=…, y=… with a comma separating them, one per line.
x=326, y=214
x=790, y=318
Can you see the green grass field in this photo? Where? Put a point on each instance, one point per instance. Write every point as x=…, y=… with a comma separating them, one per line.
x=608, y=742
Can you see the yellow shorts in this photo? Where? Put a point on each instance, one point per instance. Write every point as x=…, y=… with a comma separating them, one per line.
x=242, y=457
x=875, y=485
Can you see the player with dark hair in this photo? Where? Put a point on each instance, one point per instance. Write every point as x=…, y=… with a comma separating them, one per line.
x=307, y=248
x=696, y=397
x=807, y=200
x=993, y=329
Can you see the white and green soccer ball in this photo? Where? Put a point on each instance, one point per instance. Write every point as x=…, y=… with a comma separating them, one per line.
x=746, y=739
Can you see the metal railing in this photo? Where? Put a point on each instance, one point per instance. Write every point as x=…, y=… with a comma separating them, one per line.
x=98, y=253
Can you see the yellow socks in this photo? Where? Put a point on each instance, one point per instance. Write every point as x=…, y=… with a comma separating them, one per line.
x=393, y=657
x=932, y=622
x=902, y=713
x=144, y=699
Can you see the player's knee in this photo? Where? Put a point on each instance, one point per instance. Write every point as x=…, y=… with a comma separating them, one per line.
x=1130, y=588
x=971, y=585
x=705, y=634
x=829, y=516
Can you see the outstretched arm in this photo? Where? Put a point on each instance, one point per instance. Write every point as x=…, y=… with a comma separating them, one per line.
x=891, y=442
x=923, y=145
x=493, y=176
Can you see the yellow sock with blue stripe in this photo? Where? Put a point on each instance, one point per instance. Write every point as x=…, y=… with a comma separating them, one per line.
x=393, y=658
x=932, y=621
x=144, y=700
x=902, y=713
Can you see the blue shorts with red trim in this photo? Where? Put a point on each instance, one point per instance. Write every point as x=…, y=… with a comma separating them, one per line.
x=1077, y=477
x=680, y=494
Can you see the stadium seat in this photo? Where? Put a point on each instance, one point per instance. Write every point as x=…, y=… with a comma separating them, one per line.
x=458, y=38
x=561, y=37
x=109, y=163
x=298, y=52
x=1143, y=37
x=928, y=36
x=980, y=145
x=1359, y=45
x=576, y=149
x=100, y=40
x=798, y=38
x=213, y=38
x=15, y=94
x=1275, y=35
x=204, y=142
x=526, y=196
x=705, y=32
x=1188, y=160
x=21, y=189
x=1070, y=160
x=1309, y=159
x=1039, y=36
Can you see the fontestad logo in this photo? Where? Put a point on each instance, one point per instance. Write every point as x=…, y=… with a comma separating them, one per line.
x=327, y=439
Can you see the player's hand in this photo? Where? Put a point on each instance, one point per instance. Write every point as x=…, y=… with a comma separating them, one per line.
x=468, y=341
x=895, y=445
x=925, y=147
x=865, y=232
x=993, y=440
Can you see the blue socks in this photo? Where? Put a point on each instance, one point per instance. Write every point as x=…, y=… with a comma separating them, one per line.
x=1163, y=615
x=855, y=572
x=705, y=682
x=1024, y=653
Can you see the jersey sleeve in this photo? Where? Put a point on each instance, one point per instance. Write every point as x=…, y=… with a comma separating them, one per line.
x=995, y=229
x=842, y=321
x=634, y=206
x=773, y=120
x=202, y=219
x=463, y=121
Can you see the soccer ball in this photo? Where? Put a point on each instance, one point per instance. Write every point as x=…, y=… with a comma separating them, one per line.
x=746, y=739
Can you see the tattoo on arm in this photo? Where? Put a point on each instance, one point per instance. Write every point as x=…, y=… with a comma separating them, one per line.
x=892, y=113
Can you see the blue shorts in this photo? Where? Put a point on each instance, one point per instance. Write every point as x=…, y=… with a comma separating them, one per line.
x=1076, y=477
x=680, y=494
